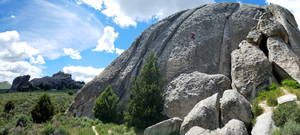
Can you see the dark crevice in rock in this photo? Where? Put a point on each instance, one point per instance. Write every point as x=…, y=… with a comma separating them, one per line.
x=225, y=47
x=279, y=73
x=263, y=46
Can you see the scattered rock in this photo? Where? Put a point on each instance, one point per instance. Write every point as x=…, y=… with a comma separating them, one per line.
x=264, y=125
x=235, y=106
x=205, y=114
x=167, y=127
x=198, y=131
x=281, y=55
x=185, y=91
x=286, y=98
x=21, y=83
x=251, y=70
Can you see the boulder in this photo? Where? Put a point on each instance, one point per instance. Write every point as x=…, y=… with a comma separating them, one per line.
x=264, y=125
x=58, y=81
x=205, y=114
x=272, y=28
x=286, y=98
x=281, y=55
x=185, y=91
x=233, y=127
x=254, y=37
x=21, y=83
x=233, y=105
x=167, y=127
x=251, y=70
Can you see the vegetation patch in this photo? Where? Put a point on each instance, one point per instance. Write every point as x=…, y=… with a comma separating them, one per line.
x=292, y=86
x=270, y=94
x=289, y=111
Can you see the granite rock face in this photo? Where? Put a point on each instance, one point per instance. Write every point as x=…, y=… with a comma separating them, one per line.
x=205, y=114
x=167, y=127
x=185, y=91
x=264, y=125
x=21, y=83
x=217, y=28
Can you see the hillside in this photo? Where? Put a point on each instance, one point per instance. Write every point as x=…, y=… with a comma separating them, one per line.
x=5, y=85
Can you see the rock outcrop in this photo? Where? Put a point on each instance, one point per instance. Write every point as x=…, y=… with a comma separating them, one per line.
x=205, y=114
x=217, y=28
x=167, y=127
x=58, y=81
x=235, y=106
x=233, y=127
x=21, y=83
x=185, y=91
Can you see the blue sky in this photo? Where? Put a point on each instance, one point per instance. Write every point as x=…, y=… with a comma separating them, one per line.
x=81, y=37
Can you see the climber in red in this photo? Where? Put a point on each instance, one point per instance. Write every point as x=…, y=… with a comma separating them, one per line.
x=193, y=35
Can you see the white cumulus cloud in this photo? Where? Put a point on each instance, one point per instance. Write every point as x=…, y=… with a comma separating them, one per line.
x=128, y=12
x=81, y=73
x=292, y=5
x=107, y=40
x=119, y=51
x=97, y=4
x=14, y=56
x=74, y=54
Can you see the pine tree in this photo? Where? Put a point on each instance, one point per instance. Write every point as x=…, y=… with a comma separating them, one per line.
x=146, y=100
x=43, y=110
x=105, y=108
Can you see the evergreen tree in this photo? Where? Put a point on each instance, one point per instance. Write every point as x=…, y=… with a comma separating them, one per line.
x=146, y=100
x=105, y=108
x=43, y=110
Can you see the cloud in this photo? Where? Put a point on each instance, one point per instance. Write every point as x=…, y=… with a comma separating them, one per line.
x=97, y=4
x=128, y=12
x=81, y=73
x=74, y=54
x=38, y=60
x=50, y=26
x=14, y=56
x=106, y=41
x=119, y=51
x=292, y=5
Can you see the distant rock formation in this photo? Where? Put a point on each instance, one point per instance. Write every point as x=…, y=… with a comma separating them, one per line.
x=21, y=83
x=58, y=81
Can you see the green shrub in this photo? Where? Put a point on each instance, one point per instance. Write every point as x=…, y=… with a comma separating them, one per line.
x=54, y=130
x=291, y=128
x=273, y=86
x=276, y=132
x=43, y=110
x=23, y=121
x=4, y=131
x=285, y=112
x=105, y=108
x=9, y=106
x=256, y=109
x=146, y=100
x=70, y=93
x=290, y=83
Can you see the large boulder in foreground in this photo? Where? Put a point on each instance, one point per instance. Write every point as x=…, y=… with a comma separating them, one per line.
x=58, y=81
x=233, y=127
x=21, y=83
x=167, y=127
x=205, y=114
x=185, y=91
x=251, y=70
x=199, y=39
x=235, y=106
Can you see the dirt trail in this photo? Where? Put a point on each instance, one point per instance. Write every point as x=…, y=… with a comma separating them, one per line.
x=94, y=129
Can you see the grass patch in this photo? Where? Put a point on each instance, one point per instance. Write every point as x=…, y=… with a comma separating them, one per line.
x=289, y=111
x=292, y=86
x=270, y=94
x=114, y=129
